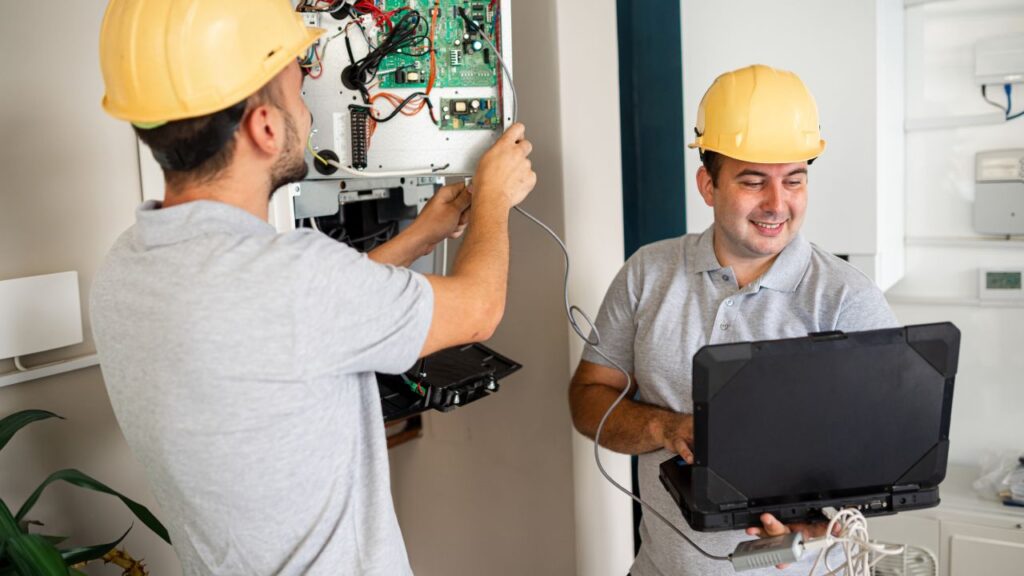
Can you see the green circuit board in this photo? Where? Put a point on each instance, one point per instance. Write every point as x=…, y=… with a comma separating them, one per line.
x=470, y=114
x=463, y=59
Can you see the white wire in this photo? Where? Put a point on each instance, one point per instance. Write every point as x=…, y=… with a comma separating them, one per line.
x=18, y=365
x=508, y=74
x=856, y=545
x=594, y=341
x=392, y=174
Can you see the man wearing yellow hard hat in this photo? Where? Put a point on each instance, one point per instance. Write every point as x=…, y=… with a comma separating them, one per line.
x=750, y=276
x=239, y=361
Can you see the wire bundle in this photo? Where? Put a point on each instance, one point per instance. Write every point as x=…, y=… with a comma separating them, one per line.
x=861, y=553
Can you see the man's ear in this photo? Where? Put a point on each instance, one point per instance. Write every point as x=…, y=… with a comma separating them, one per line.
x=706, y=186
x=264, y=127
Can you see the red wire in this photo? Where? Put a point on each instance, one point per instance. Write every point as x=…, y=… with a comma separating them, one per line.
x=433, y=32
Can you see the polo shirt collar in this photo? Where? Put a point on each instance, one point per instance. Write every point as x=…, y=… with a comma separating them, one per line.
x=784, y=275
x=159, y=226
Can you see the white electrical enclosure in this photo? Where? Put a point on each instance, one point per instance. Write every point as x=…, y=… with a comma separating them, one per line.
x=999, y=60
x=409, y=155
x=39, y=313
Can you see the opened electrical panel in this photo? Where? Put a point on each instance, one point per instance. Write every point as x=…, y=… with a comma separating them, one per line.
x=405, y=96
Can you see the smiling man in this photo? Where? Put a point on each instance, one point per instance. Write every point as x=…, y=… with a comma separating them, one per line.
x=750, y=276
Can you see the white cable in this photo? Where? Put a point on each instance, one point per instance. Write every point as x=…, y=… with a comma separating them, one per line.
x=594, y=342
x=508, y=74
x=18, y=365
x=392, y=174
x=853, y=539
x=444, y=257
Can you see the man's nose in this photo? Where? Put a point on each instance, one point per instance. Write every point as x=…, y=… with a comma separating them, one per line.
x=774, y=197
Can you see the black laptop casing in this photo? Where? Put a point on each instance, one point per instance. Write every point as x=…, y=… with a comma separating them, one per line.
x=792, y=426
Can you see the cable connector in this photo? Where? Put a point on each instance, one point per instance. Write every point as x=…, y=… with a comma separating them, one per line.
x=767, y=552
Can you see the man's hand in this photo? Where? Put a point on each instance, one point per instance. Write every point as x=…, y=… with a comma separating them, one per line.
x=505, y=171
x=675, y=433
x=772, y=527
x=444, y=216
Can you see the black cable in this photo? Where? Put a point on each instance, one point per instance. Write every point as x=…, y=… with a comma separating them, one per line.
x=405, y=103
x=403, y=35
x=992, y=102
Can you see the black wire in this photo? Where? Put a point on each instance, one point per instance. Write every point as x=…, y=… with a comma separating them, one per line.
x=992, y=102
x=405, y=103
x=403, y=35
x=382, y=232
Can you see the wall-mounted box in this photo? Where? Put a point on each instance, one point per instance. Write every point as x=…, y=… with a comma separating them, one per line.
x=39, y=313
x=999, y=60
x=999, y=192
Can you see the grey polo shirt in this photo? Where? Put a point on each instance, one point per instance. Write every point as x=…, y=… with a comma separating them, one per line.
x=239, y=364
x=673, y=297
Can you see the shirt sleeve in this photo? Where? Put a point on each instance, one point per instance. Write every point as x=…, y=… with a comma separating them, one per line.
x=616, y=319
x=356, y=315
x=866, y=309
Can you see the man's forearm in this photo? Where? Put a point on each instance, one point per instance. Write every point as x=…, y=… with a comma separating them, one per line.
x=402, y=250
x=483, y=254
x=631, y=427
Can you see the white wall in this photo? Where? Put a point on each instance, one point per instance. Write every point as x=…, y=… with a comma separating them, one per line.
x=69, y=186
x=488, y=488
x=592, y=169
x=943, y=254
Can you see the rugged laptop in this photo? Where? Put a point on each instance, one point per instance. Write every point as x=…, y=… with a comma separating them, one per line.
x=791, y=426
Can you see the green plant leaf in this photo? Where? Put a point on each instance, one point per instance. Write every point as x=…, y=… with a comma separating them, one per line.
x=55, y=540
x=8, y=525
x=11, y=424
x=90, y=553
x=34, y=556
x=76, y=478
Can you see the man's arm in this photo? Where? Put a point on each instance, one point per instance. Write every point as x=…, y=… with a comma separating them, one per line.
x=444, y=216
x=469, y=303
x=633, y=427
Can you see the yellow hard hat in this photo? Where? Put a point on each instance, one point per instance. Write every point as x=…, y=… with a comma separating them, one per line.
x=759, y=114
x=167, y=60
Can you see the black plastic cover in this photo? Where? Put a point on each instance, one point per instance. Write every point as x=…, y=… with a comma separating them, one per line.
x=790, y=426
x=443, y=381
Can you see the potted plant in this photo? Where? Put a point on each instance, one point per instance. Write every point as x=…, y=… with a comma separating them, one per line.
x=23, y=553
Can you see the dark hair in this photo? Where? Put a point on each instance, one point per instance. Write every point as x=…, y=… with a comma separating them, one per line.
x=712, y=163
x=198, y=149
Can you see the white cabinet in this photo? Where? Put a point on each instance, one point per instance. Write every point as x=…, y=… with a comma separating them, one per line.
x=850, y=55
x=978, y=550
x=970, y=536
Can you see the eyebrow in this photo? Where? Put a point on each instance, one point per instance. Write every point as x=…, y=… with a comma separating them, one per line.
x=749, y=172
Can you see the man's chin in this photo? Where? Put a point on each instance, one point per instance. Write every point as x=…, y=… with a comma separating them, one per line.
x=297, y=173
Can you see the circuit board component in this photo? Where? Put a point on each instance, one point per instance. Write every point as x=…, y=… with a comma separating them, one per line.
x=470, y=114
x=360, y=131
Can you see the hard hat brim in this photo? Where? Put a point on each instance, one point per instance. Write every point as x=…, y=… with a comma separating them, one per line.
x=764, y=157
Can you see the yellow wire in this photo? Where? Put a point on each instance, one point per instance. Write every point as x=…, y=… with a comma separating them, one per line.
x=309, y=144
